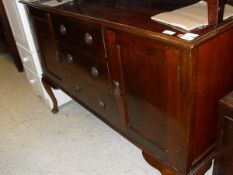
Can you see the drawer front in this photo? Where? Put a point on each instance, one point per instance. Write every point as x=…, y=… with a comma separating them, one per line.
x=89, y=82
x=49, y=55
x=15, y=16
x=35, y=83
x=85, y=37
x=26, y=58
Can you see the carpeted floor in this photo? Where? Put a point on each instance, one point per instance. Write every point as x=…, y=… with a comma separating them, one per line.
x=33, y=141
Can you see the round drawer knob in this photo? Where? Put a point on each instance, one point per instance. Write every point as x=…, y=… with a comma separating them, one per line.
x=101, y=104
x=63, y=29
x=70, y=59
x=88, y=38
x=94, y=72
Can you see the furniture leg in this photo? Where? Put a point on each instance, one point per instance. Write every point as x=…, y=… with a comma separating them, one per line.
x=166, y=171
x=48, y=87
x=154, y=163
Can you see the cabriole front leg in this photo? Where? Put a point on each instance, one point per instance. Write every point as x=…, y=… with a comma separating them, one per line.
x=48, y=87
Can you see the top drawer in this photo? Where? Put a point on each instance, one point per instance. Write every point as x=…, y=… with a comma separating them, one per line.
x=79, y=35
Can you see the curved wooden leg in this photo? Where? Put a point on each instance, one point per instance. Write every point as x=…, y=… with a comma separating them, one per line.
x=154, y=163
x=48, y=87
x=201, y=170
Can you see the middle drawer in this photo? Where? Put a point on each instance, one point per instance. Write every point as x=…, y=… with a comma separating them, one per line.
x=86, y=37
x=89, y=81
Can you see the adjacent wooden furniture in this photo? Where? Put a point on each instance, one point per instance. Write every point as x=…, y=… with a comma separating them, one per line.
x=159, y=91
x=224, y=154
x=7, y=36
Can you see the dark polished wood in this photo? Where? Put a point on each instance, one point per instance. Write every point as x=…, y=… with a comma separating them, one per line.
x=210, y=90
x=155, y=163
x=224, y=155
x=165, y=170
x=149, y=76
x=76, y=33
x=50, y=56
x=8, y=38
x=215, y=11
x=89, y=82
x=127, y=17
x=159, y=91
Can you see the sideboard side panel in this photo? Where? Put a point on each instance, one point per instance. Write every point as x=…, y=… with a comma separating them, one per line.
x=214, y=80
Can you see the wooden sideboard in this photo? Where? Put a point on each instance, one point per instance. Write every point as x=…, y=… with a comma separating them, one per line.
x=158, y=91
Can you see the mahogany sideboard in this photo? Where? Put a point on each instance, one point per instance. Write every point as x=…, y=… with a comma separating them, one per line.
x=159, y=91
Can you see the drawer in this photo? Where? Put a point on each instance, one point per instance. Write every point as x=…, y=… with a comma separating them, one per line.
x=85, y=37
x=89, y=70
x=89, y=82
x=26, y=58
x=35, y=83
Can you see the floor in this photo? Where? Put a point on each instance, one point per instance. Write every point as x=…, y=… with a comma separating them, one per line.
x=33, y=141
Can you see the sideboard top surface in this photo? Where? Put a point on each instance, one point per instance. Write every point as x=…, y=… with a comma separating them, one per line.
x=131, y=17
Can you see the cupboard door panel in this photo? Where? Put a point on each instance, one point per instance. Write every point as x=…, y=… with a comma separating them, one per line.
x=148, y=74
x=145, y=83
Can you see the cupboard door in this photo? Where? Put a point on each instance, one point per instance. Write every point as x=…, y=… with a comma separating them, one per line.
x=50, y=56
x=147, y=73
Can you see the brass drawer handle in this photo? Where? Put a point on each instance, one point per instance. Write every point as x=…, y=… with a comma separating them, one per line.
x=116, y=90
x=94, y=72
x=63, y=30
x=88, y=39
x=70, y=58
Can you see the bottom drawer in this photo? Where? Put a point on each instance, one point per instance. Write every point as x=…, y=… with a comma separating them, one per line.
x=26, y=58
x=35, y=82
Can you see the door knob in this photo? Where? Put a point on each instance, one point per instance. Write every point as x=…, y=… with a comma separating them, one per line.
x=116, y=91
x=77, y=88
x=88, y=38
x=63, y=30
x=101, y=104
x=94, y=72
x=70, y=58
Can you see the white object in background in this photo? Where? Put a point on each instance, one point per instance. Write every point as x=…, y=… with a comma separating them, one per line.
x=27, y=48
